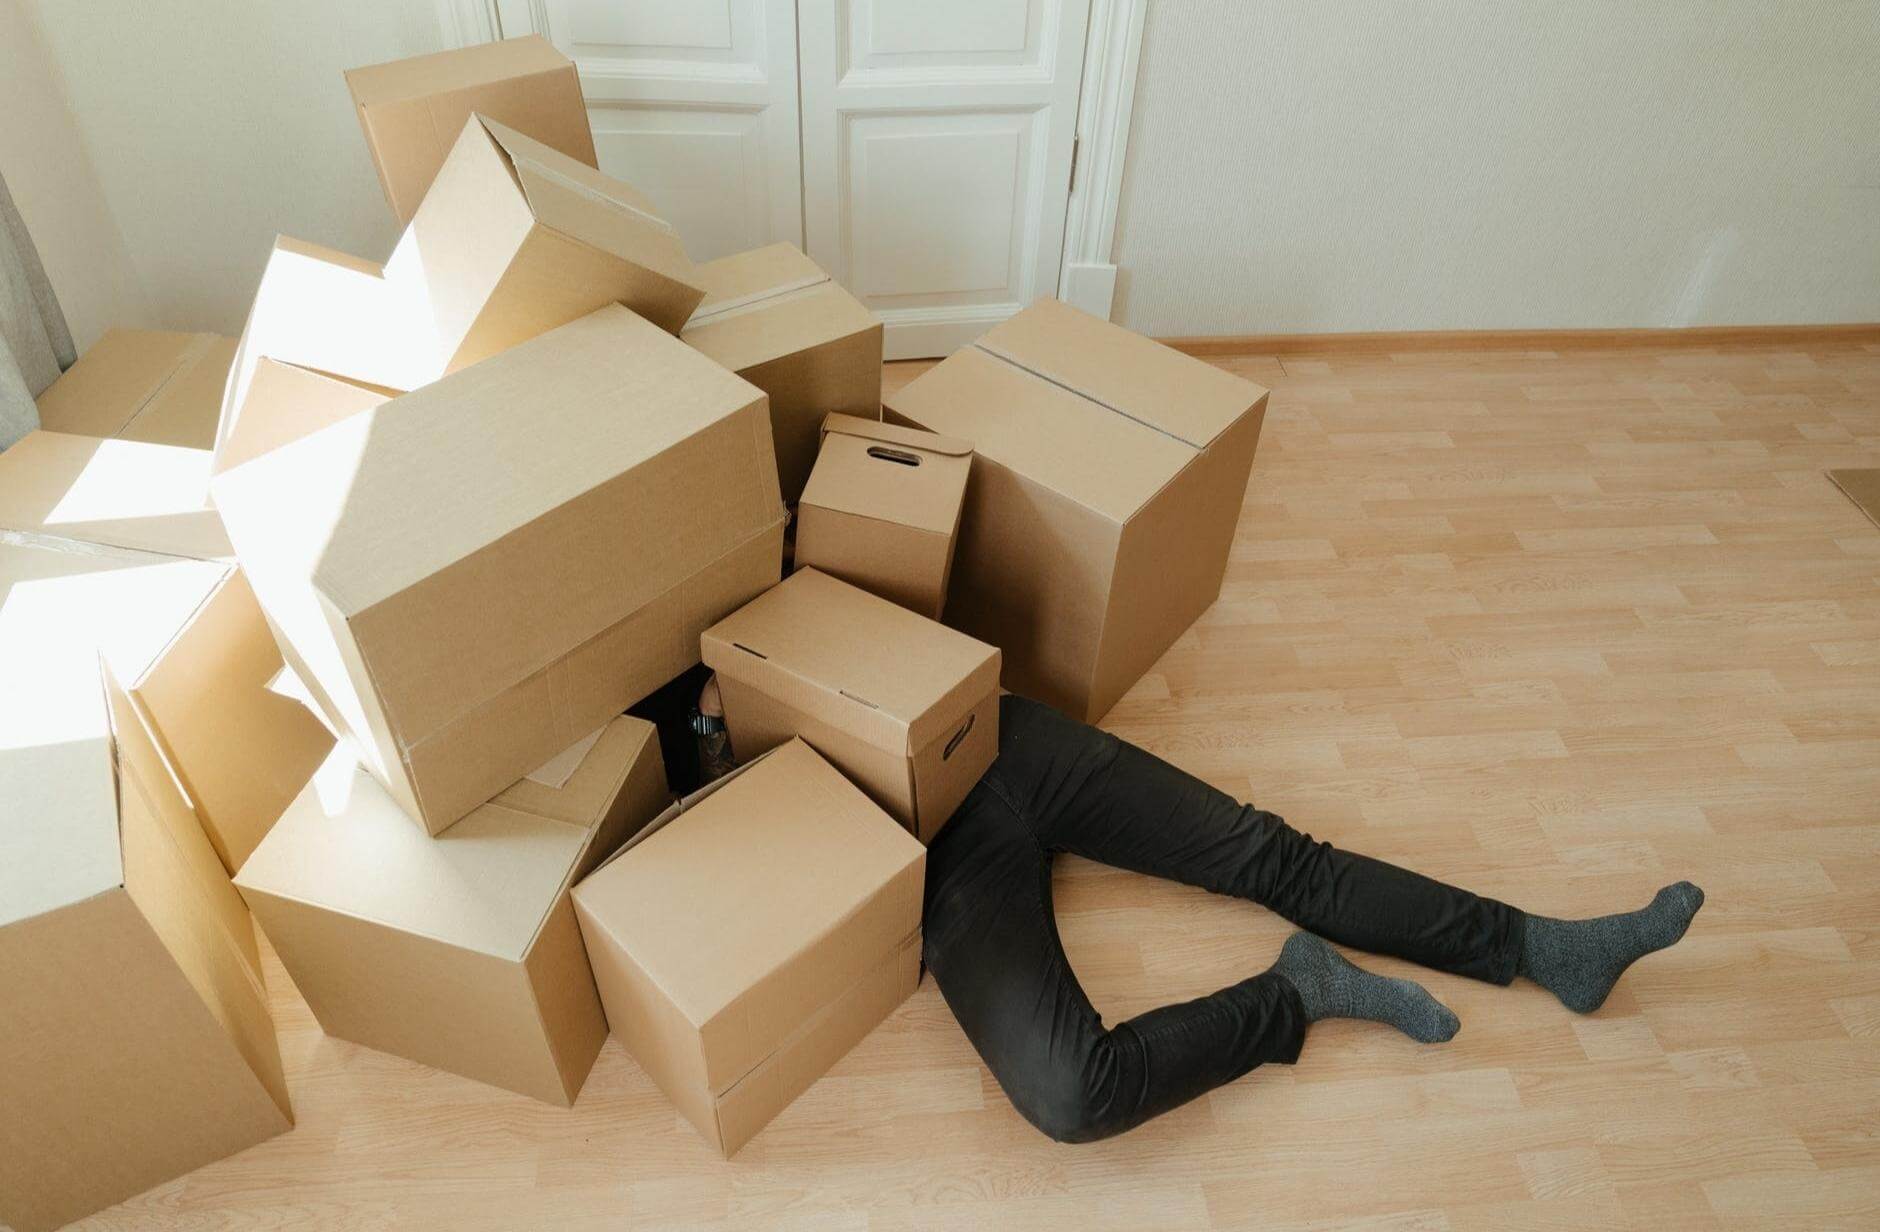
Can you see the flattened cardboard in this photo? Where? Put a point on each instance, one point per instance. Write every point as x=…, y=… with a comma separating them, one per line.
x=459, y=951
x=1108, y=477
x=412, y=110
x=467, y=589
x=775, y=318
x=882, y=510
x=740, y=946
x=905, y=707
x=125, y=494
x=143, y=385
x=139, y=1045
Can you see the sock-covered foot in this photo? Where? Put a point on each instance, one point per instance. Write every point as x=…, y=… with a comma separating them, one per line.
x=1331, y=987
x=1580, y=960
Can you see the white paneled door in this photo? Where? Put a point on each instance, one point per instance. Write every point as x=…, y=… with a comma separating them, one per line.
x=694, y=102
x=937, y=149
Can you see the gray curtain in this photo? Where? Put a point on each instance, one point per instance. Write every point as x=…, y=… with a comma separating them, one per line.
x=35, y=345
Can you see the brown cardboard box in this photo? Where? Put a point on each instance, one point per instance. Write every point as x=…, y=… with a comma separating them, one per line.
x=773, y=317
x=471, y=576
x=411, y=110
x=143, y=385
x=137, y=1043
x=240, y=746
x=513, y=239
x=459, y=951
x=907, y=708
x=1108, y=477
x=882, y=510
x=756, y=932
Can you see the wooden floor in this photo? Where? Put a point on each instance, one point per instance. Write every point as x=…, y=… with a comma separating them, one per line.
x=1561, y=627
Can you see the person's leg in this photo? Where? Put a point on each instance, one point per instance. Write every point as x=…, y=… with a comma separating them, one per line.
x=991, y=943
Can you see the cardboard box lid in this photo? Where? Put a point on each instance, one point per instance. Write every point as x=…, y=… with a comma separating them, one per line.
x=749, y=875
x=1098, y=414
x=64, y=609
x=486, y=883
x=126, y=494
x=458, y=69
x=127, y=370
x=872, y=667
x=769, y=302
x=860, y=481
x=188, y=408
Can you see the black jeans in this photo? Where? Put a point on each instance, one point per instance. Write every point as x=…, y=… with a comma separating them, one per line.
x=993, y=948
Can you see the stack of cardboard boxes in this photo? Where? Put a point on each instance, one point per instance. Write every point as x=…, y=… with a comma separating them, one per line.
x=467, y=505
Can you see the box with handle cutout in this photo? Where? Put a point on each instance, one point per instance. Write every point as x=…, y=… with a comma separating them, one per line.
x=903, y=705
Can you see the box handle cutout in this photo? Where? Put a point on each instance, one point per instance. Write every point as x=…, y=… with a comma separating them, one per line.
x=900, y=456
x=958, y=736
x=747, y=650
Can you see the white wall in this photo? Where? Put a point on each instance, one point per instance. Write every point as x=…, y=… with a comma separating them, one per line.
x=215, y=124
x=1302, y=166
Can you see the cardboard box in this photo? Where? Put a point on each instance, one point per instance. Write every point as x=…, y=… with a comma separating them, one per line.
x=239, y=745
x=143, y=385
x=459, y=951
x=752, y=936
x=773, y=317
x=882, y=510
x=471, y=576
x=411, y=110
x=906, y=707
x=1108, y=477
x=513, y=240
x=137, y=1041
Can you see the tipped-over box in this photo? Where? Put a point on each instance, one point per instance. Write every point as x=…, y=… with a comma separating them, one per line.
x=135, y=1041
x=882, y=510
x=143, y=385
x=461, y=950
x=772, y=316
x=412, y=110
x=1108, y=477
x=906, y=707
x=471, y=576
x=752, y=936
x=240, y=745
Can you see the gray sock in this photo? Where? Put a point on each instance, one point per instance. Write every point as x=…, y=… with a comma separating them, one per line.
x=1580, y=960
x=1330, y=987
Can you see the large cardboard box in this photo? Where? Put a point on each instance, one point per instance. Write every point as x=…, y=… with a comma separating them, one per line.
x=459, y=951
x=752, y=936
x=1108, y=477
x=513, y=239
x=240, y=744
x=412, y=110
x=772, y=316
x=135, y=1041
x=906, y=707
x=143, y=385
x=470, y=577
x=882, y=510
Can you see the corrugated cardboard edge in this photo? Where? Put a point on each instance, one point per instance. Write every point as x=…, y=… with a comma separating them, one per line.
x=756, y=300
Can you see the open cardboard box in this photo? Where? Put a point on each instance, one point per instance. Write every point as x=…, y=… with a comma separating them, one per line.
x=752, y=935
x=143, y=385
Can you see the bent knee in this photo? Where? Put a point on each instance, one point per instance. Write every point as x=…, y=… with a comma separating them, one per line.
x=1069, y=1103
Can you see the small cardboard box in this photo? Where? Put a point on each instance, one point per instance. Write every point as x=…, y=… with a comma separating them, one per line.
x=143, y=385
x=240, y=745
x=459, y=951
x=773, y=317
x=752, y=936
x=1108, y=477
x=411, y=110
x=882, y=510
x=906, y=707
x=137, y=1041
x=513, y=240
x=471, y=576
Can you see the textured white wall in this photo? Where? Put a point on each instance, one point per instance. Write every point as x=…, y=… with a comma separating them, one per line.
x=215, y=124
x=1302, y=166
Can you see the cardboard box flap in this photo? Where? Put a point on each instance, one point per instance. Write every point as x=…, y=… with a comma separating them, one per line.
x=286, y=402
x=890, y=676
x=916, y=439
x=458, y=69
x=116, y=378
x=754, y=276
x=1158, y=387
x=873, y=470
x=125, y=494
x=701, y=904
x=1110, y=464
x=578, y=785
x=187, y=409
